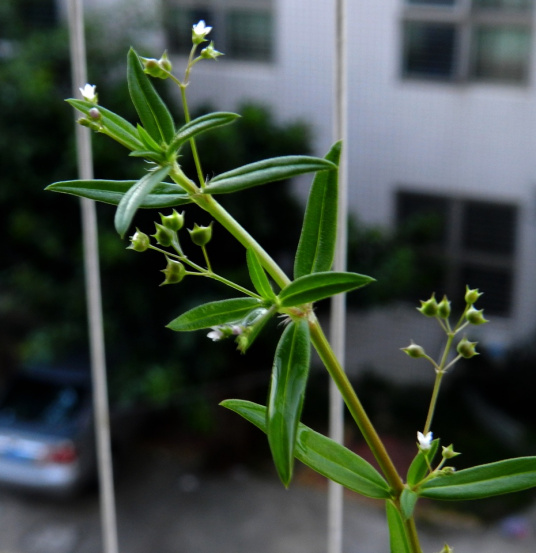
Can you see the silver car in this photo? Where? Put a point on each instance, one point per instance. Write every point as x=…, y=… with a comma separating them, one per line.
x=46, y=431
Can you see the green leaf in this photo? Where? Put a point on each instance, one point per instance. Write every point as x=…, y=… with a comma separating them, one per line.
x=200, y=125
x=510, y=475
x=398, y=539
x=323, y=455
x=318, y=286
x=420, y=466
x=214, y=313
x=258, y=276
x=135, y=197
x=268, y=170
x=153, y=113
x=287, y=391
x=408, y=500
x=316, y=248
x=120, y=128
x=165, y=194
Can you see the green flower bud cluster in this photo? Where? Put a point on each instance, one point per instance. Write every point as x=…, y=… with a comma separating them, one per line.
x=159, y=69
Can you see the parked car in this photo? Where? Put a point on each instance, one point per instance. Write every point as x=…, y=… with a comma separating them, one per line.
x=46, y=431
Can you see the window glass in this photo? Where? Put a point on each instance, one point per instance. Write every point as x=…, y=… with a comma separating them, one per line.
x=504, y=4
x=501, y=53
x=249, y=35
x=489, y=228
x=433, y=2
x=429, y=49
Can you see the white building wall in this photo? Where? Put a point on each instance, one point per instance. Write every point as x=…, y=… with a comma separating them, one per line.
x=472, y=141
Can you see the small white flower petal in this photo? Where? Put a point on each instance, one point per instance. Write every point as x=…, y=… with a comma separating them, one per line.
x=425, y=440
x=201, y=30
x=88, y=92
x=215, y=334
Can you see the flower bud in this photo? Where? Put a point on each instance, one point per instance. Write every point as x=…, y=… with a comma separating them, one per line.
x=443, y=308
x=429, y=308
x=173, y=222
x=447, y=549
x=449, y=453
x=95, y=114
x=210, y=53
x=471, y=295
x=415, y=351
x=139, y=241
x=174, y=272
x=152, y=68
x=466, y=348
x=446, y=471
x=164, y=62
x=163, y=235
x=475, y=316
x=201, y=235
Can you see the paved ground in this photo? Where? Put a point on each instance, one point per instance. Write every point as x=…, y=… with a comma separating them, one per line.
x=163, y=509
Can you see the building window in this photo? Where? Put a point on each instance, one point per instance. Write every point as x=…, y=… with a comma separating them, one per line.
x=467, y=40
x=242, y=29
x=472, y=241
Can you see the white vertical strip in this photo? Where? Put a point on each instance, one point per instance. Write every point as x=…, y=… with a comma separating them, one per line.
x=338, y=304
x=93, y=291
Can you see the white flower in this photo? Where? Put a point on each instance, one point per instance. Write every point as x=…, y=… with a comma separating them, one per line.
x=425, y=440
x=88, y=93
x=215, y=334
x=200, y=31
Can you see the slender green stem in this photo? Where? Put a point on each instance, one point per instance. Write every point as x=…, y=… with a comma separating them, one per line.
x=413, y=537
x=193, y=146
x=440, y=371
x=354, y=405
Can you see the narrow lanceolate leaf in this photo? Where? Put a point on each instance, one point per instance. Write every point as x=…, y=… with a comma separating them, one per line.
x=318, y=286
x=287, y=391
x=258, y=276
x=125, y=133
x=420, y=466
x=323, y=455
x=214, y=313
x=165, y=194
x=135, y=197
x=408, y=500
x=200, y=125
x=316, y=248
x=398, y=539
x=268, y=170
x=511, y=475
x=153, y=113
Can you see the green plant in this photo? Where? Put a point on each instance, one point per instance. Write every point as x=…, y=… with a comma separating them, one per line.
x=271, y=293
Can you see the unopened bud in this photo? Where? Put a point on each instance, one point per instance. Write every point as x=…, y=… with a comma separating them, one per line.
x=95, y=114
x=429, y=308
x=449, y=453
x=163, y=235
x=466, y=348
x=139, y=241
x=475, y=316
x=174, y=272
x=471, y=295
x=443, y=308
x=173, y=222
x=415, y=351
x=152, y=67
x=201, y=235
x=210, y=53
